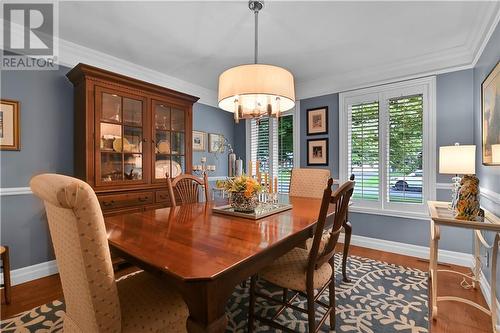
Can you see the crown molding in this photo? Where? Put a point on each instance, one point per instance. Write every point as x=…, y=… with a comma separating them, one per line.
x=71, y=54
x=486, y=36
x=462, y=57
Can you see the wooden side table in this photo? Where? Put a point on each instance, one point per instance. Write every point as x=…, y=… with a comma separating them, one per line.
x=442, y=216
x=4, y=256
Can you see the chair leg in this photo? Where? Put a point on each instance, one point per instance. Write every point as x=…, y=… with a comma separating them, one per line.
x=6, y=275
x=251, y=307
x=331, y=290
x=311, y=313
x=285, y=295
x=347, y=242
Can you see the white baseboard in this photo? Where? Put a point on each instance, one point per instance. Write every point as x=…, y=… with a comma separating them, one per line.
x=486, y=290
x=445, y=256
x=30, y=273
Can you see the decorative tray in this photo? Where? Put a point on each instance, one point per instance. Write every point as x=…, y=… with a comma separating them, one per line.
x=261, y=211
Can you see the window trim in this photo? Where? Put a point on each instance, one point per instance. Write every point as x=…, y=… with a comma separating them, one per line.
x=296, y=134
x=427, y=86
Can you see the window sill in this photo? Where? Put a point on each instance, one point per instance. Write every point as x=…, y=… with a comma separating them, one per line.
x=393, y=213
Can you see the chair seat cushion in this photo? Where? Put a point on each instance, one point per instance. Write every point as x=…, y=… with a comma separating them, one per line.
x=148, y=304
x=289, y=271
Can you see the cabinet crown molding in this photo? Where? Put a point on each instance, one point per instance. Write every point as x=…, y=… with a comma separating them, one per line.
x=84, y=71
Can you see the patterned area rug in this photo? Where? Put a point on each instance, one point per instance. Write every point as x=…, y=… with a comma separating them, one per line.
x=380, y=298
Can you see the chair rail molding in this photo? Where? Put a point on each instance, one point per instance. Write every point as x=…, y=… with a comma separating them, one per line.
x=7, y=191
x=10, y=191
x=490, y=195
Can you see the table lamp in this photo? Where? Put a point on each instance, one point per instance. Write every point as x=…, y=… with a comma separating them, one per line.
x=457, y=160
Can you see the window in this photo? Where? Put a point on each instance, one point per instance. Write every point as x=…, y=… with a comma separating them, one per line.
x=363, y=150
x=405, y=149
x=273, y=143
x=387, y=141
x=285, y=153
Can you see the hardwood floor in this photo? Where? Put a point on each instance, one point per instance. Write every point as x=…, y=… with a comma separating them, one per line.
x=453, y=317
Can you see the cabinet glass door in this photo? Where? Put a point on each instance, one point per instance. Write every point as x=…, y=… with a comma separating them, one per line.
x=120, y=131
x=169, y=141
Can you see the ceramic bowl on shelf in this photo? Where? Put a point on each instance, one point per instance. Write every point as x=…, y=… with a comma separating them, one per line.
x=163, y=167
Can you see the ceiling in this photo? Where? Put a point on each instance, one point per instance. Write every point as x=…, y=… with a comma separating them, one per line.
x=328, y=46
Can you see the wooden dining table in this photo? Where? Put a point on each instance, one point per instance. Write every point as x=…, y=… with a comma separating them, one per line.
x=204, y=255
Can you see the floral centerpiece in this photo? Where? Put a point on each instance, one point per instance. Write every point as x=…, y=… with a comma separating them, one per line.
x=243, y=193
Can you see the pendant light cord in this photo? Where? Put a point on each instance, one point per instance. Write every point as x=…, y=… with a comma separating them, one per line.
x=256, y=47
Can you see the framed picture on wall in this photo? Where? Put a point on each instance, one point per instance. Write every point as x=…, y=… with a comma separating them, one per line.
x=199, y=141
x=317, y=152
x=215, y=142
x=9, y=125
x=490, y=115
x=317, y=121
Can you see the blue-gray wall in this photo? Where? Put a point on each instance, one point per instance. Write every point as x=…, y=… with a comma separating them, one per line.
x=332, y=102
x=46, y=103
x=240, y=140
x=209, y=119
x=46, y=99
x=489, y=176
x=454, y=119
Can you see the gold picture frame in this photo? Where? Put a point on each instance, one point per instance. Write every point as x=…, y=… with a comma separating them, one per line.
x=9, y=125
x=490, y=117
x=215, y=142
x=199, y=141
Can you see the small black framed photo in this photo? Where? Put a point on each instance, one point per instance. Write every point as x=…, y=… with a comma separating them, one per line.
x=317, y=121
x=317, y=152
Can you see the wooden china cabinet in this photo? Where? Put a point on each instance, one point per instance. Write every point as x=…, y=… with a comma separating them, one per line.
x=128, y=135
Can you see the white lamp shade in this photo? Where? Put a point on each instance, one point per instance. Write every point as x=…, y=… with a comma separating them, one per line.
x=256, y=86
x=457, y=160
x=495, y=154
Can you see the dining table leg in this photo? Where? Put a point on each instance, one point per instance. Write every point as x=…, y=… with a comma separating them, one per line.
x=347, y=242
x=206, y=301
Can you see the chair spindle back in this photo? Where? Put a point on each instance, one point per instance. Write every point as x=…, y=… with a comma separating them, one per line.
x=340, y=198
x=187, y=187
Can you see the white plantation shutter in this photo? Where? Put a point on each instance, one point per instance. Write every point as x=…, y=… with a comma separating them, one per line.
x=259, y=144
x=271, y=143
x=388, y=140
x=285, y=153
x=405, y=151
x=363, y=149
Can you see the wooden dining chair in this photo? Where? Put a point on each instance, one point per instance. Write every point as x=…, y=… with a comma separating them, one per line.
x=309, y=183
x=187, y=188
x=4, y=256
x=304, y=271
x=94, y=300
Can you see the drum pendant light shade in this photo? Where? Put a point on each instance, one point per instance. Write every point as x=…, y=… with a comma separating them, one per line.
x=254, y=87
x=256, y=90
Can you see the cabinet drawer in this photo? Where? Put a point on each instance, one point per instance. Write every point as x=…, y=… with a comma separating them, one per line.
x=125, y=200
x=162, y=196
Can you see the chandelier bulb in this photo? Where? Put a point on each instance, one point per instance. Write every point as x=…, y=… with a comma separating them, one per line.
x=237, y=110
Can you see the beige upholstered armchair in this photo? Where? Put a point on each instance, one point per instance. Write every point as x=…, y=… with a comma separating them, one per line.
x=95, y=302
x=308, y=182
